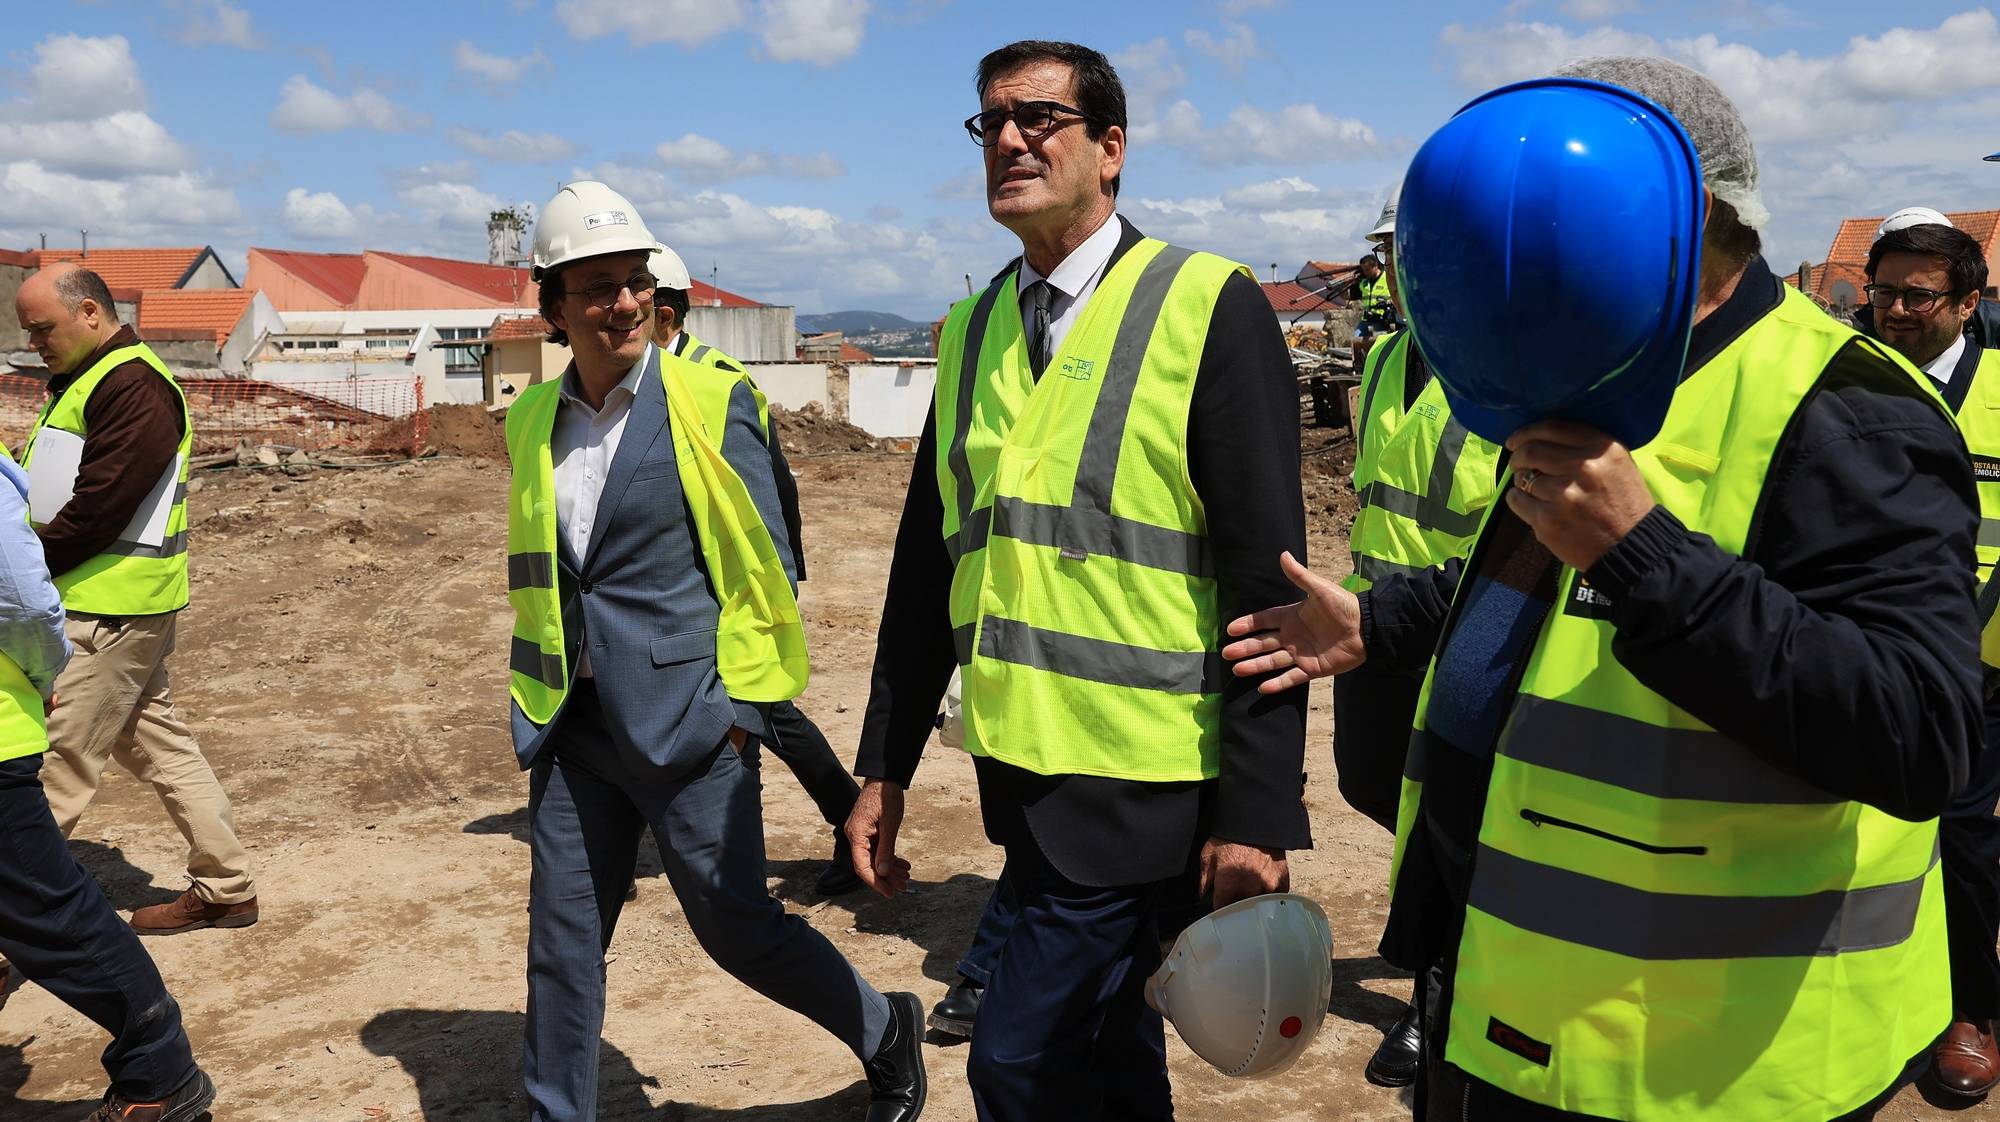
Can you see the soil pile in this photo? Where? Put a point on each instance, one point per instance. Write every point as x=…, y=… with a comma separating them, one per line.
x=810, y=432
x=467, y=430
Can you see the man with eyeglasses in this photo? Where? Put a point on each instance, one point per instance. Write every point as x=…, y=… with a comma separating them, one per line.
x=654, y=626
x=1111, y=468
x=1924, y=286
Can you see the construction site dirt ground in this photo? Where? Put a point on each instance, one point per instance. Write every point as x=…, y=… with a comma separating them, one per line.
x=343, y=663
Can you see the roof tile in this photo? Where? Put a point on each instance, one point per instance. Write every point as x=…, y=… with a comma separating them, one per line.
x=129, y=268
x=215, y=310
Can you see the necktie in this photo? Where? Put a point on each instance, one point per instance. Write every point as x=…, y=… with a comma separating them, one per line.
x=1042, y=294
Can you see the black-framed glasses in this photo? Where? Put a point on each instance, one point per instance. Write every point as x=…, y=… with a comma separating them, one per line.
x=1035, y=119
x=1915, y=300
x=606, y=294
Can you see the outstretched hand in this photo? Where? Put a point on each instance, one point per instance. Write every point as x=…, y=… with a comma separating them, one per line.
x=1295, y=643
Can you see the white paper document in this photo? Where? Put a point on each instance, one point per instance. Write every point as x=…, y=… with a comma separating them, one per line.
x=58, y=453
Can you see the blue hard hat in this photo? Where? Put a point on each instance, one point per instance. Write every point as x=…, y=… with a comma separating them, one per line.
x=1548, y=249
x=1994, y=158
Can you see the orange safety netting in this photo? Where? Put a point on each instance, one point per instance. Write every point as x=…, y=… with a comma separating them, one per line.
x=355, y=415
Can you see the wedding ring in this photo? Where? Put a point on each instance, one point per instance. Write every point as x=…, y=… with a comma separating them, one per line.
x=1525, y=479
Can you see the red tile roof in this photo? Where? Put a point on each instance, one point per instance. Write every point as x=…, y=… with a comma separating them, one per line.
x=1313, y=269
x=851, y=353
x=338, y=275
x=215, y=310
x=702, y=294
x=130, y=268
x=1851, y=241
x=518, y=327
x=507, y=284
x=20, y=259
x=1290, y=298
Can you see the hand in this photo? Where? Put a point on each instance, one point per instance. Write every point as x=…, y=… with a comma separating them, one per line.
x=1237, y=872
x=1318, y=636
x=49, y=706
x=737, y=739
x=871, y=837
x=1577, y=489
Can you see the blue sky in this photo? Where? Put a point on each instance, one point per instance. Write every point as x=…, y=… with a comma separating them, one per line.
x=809, y=150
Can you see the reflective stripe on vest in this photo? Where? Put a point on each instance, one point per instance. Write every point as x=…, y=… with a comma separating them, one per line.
x=1083, y=592
x=126, y=578
x=1979, y=421
x=1687, y=931
x=1422, y=481
x=760, y=641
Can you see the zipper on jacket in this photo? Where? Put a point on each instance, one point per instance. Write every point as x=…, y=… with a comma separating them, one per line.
x=1537, y=818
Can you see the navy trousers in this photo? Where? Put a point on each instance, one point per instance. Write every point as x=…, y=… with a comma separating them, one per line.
x=60, y=932
x=1064, y=1028
x=995, y=920
x=1969, y=856
x=587, y=805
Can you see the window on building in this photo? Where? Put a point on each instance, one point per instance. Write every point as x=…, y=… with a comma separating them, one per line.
x=462, y=360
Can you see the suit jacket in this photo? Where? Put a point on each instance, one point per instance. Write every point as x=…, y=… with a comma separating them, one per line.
x=641, y=599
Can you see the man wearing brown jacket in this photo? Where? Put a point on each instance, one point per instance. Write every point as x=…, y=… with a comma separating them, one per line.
x=117, y=424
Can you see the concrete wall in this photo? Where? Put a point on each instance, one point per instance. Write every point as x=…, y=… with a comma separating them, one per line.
x=194, y=357
x=350, y=367
x=746, y=334
x=885, y=399
x=210, y=274
x=12, y=338
x=260, y=318
x=512, y=365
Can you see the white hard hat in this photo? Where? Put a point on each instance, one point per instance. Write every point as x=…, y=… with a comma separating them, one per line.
x=1385, y=226
x=668, y=269
x=1911, y=216
x=587, y=219
x=1247, y=986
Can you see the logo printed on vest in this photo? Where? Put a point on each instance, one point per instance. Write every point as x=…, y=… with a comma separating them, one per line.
x=1985, y=469
x=1079, y=369
x=1518, y=1042
x=1428, y=409
x=1586, y=602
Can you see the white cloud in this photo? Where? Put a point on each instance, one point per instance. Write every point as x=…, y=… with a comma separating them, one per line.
x=705, y=160
x=1591, y=11
x=1153, y=76
x=75, y=77
x=514, y=146
x=687, y=22
x=317, y=216
x=457, y=204
x=1234, y=49
x=139, y=208
x=816, y=31
x=307, y=108
x=123, y=142
x=1254, y=135
x=498, y=70
x=1280, y=220
x=216, y=23
x=1508, y=53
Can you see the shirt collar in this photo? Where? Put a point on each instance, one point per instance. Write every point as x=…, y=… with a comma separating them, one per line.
x=1940, y=368
x=673, y=346
x=1757, y=293
x=1084, y=262
x=628, y=385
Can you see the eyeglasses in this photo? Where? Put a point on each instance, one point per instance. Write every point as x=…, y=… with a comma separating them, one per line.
x=606, y=294
x=1915, y=300
x=1035, y=119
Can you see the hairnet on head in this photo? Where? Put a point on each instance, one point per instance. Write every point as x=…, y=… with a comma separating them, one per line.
x=1728, y=161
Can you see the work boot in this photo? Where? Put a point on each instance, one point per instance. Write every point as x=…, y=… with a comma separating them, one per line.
x=189, y=912
x=1966, y=1061
x=189, y=1102
x=1394, y=1063
x=839, y=877
x=896, y=1072
x=955, y=1012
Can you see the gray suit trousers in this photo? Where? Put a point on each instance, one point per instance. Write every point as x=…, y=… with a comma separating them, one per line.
x=587, y=804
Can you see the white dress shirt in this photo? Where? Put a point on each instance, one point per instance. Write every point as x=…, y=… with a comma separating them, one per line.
x=1074, y=280
x=584, y=443
x=1940, y=368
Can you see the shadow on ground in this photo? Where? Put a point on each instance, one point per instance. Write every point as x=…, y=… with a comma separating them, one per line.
x=1355, y=1002
x=127, y=886
x=466, y=1065
x=14, y=1072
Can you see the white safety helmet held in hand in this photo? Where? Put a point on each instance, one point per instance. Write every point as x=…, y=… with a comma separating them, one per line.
x=668, y=269
x=1247, y=986
x=1911, y=216
x=587, y=219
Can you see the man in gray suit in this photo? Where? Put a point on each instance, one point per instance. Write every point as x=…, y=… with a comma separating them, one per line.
x=654, y=624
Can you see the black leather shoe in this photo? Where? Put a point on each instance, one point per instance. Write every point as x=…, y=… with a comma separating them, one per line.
x=958, y=1008
x=1394, y=1063
x=896, y=1073
x=839, y=877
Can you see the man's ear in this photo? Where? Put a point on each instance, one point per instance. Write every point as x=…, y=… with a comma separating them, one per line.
x=1113, y=162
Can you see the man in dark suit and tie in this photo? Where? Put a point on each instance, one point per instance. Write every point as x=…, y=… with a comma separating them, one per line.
x=1111, y=467
x=655, y=623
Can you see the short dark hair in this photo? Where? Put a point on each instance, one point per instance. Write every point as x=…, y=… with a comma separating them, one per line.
x=675, y=299
x=549, y=298
x=1965, y=262
x=1726, y=241
x=74, y=286
x=1099, y=93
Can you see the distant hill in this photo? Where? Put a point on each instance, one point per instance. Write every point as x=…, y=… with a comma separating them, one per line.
x=857, y=323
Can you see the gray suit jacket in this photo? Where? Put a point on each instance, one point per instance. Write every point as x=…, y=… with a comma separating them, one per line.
x=642, y=600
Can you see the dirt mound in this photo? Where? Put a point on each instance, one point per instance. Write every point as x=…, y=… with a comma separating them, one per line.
x=467, y=430
x=809, y=432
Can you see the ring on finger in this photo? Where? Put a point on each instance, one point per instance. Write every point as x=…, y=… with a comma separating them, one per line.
x=1525, y=479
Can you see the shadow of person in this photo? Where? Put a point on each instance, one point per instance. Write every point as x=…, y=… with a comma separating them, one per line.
x=126, y=885
x=850, y=1103
x=513, y=823
x=467, y=1065
x=1944, y=1101
x=14, y=1072
x=1355, y=1002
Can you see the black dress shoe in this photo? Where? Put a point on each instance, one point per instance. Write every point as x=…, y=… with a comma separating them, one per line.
x=1394, y=1063
x=839, y=877
x=896, y=1073
x=958, y=1008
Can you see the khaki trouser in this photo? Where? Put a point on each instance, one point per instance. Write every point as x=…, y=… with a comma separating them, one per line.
x=112, y=703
